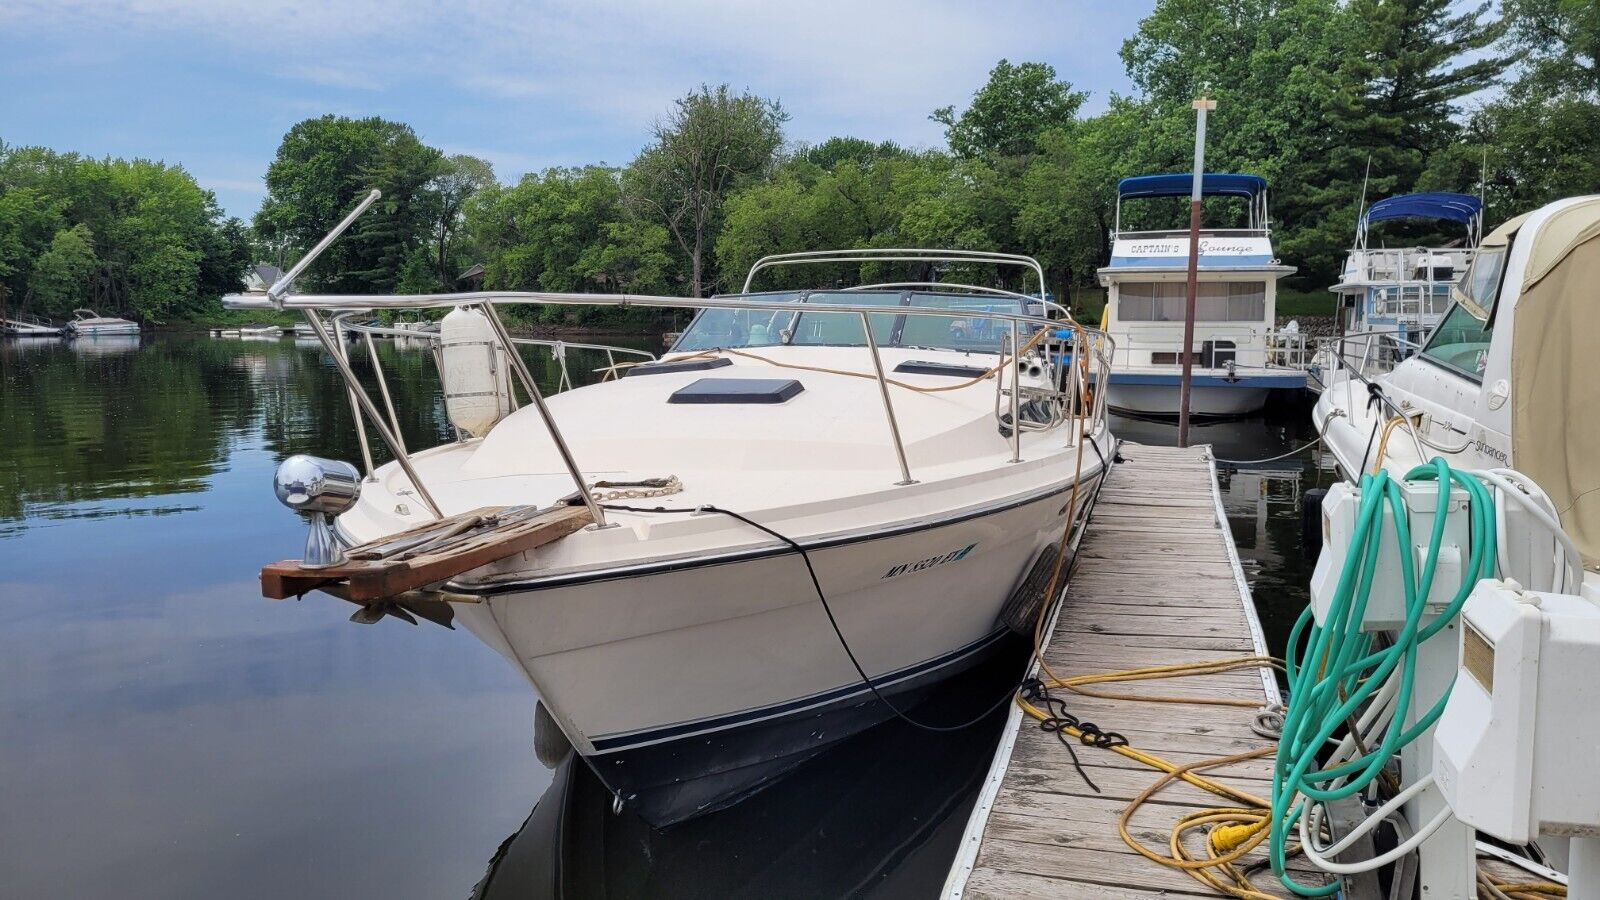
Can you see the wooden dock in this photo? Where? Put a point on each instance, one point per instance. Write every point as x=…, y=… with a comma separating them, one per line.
x=1158, y=582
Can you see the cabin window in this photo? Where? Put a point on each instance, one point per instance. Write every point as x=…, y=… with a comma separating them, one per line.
x=1163, y=301
x=1163, y=359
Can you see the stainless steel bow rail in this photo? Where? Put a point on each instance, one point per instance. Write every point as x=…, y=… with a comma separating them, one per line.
x=1077, y=357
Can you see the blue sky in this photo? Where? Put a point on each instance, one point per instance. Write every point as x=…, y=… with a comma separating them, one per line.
x=214, y=85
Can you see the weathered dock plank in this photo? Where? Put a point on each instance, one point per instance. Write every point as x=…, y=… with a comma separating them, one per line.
x=1157, y=582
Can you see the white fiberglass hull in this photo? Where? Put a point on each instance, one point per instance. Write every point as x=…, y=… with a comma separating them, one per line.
x=686, y=655
x=97, y=329
x=687, y=685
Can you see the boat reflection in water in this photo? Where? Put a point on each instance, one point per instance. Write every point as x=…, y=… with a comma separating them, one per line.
x=878, y=815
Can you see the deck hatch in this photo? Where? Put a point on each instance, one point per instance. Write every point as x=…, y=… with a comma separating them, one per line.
x=923, y=367
x=737, y=390
x=685, y=365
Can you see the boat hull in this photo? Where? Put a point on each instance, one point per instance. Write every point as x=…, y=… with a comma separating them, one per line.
x=1221, y=395
x=102, y=330
x=692, y=684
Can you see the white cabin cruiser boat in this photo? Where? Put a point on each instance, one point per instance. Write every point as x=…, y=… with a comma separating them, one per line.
x=1238, y=357
x=810, y=512
x=1508, y=379
x=1391, y=298
x=88, y=323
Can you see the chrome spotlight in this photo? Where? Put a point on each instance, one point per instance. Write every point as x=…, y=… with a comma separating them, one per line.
x=324, y=488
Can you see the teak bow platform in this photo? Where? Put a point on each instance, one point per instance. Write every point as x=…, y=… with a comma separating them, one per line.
x=427, y=554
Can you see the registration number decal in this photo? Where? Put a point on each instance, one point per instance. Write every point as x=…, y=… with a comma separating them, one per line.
x=931, y=562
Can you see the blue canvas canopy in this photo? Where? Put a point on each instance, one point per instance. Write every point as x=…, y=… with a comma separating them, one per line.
x=1439, y=205
x=1212, y=184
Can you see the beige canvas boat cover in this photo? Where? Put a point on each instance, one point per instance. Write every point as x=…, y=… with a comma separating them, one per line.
x=1555, y=370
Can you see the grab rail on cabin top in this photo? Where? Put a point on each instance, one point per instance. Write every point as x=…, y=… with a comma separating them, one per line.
x=1089, y=348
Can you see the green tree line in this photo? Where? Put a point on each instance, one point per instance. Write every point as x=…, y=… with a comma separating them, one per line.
x=136, y=237
x=1335, y=102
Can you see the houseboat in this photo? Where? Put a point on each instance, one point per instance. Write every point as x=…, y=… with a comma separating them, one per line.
x=1237, y=355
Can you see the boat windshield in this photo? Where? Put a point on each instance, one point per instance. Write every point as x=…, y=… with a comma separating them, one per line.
x=1461, y=341
x=788, y=323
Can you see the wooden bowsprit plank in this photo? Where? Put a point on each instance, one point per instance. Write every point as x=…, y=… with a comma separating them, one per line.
x=485, y=535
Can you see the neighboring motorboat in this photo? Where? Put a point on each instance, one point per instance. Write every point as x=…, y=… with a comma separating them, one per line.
x=1509, y=378
x=1391, y=298
x=858, y=444
x=1238, y=355
x=88, y=323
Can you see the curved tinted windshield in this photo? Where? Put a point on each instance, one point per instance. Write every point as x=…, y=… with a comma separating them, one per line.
x=789, y=323
x=1461, y=341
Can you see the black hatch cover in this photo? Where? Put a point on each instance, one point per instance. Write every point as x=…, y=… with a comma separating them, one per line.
x=685, y=365
x=737, y=390
x=923, y=367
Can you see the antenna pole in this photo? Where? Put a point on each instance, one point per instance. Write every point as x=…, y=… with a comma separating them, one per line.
x=1201, y=107
x=1361, y=213
x=1483, y=196
x=281, y=287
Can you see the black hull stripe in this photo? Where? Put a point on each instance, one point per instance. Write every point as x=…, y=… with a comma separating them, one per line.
x=677, y=565
x=802, y=704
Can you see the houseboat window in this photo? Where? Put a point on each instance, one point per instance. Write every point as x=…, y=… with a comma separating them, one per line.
x=1461, y=340
x=1163, y=301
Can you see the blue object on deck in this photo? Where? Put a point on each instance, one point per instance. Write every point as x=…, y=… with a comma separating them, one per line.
x=1439, y=205
x=1212, y=184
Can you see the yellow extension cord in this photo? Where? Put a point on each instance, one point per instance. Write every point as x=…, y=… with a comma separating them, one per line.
x=1234, y=831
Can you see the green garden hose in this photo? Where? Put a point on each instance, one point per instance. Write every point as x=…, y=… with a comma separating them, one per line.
x=1337, y=674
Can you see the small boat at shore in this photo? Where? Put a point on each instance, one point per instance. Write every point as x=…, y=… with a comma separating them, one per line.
x=88, y=323
x=816, y=508
x=1238, y=354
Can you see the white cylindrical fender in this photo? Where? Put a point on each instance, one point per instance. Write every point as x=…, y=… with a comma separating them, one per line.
x=477, y=385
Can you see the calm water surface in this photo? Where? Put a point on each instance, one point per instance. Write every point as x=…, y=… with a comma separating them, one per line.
x=166, y=733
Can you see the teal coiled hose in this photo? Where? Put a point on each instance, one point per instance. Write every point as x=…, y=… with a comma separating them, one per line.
x=1334, y=672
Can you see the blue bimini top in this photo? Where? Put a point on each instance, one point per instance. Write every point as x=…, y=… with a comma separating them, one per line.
x=1212, y=184
x=1438, y=205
